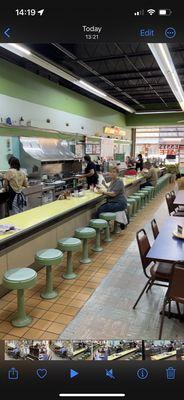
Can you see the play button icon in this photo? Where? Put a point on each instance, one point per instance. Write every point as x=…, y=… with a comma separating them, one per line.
x=73, y=373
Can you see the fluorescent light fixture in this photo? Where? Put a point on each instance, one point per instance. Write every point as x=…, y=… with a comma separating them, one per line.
x=91, y=88
x=21, y=48
x=157, y=112
x=165, y=62
x=23, y=52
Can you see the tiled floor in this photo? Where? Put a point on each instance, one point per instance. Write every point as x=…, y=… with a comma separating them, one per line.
x=105, y=312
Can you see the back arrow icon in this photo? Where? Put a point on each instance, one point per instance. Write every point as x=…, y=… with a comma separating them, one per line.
x=7, y=32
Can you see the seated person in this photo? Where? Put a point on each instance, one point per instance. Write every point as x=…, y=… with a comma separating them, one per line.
x=151, y=175
x=116, y=199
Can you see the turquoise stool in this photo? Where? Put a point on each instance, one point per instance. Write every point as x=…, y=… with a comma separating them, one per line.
x=133, y=203
x=48, y=258
x=84, y=234
x=70, y=245
x=138, y=200
x=146, y=195
x=130, y=210
x=142, y=196
x=108, y=216
x=20, y=279
x=151, y=190
x=98, y=225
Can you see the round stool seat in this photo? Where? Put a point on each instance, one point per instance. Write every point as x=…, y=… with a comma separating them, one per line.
x=49, y=257
x=85, y=233
x=108, y=216
x=98, y=223
x=69, y=244
x=19, y=278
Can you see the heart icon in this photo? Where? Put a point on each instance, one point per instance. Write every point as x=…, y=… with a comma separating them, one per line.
x=41, y=373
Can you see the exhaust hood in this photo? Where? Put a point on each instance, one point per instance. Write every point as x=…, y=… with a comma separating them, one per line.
x=45, y=150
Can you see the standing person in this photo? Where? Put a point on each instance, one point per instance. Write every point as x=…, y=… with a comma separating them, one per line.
x=139, y=163
x=116, y=199
x=90, y=172
x=14, y=182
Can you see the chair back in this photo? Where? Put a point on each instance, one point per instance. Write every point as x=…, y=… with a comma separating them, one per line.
x=169, y=202
x=173, y=194
x=176, y=286
x=144, y=247
x=155, y=229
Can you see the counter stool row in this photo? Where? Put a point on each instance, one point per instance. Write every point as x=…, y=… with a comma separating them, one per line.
x=25, y=278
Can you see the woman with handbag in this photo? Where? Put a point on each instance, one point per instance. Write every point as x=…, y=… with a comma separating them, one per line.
x=14, y=182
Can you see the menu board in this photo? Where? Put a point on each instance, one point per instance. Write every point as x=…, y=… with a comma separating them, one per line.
x=169, y=149
x=89, y=148
x=107, y=148
x=79, y=150
x=94, y=149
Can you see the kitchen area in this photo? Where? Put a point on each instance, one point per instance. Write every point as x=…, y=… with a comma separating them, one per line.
x=53, y=160
x=49, y=165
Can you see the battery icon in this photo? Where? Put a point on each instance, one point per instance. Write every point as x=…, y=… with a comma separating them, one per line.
x=165, y=12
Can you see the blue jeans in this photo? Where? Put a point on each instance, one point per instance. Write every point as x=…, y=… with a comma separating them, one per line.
x=110, y=207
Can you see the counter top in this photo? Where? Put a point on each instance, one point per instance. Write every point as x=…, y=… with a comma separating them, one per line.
x=123, y=353
x=30, y=219
x=163, y=356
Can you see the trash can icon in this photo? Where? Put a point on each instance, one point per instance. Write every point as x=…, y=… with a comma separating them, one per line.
x=13, y=374
x=171, y=373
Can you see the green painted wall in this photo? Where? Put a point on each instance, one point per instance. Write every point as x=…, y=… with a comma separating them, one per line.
x=17, y=82
x=154, y=119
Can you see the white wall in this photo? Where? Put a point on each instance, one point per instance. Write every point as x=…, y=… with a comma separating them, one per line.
x=38, y=114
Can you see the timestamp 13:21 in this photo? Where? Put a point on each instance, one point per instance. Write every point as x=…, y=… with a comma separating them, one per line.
x=92, y=37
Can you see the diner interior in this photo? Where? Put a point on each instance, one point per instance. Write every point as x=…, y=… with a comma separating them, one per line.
x=159, y=350
x=92, y=240
x=29, y=350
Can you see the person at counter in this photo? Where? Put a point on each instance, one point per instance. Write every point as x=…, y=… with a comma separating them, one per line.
x=129, y=162
x=14, y=182
x=90, y=172
x=139, y=163
x=116, y=199
x=151, y=175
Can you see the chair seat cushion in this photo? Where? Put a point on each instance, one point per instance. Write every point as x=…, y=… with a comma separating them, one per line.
x=98, y=223
x=69, y=244
x=49, y=256
x=19, y=278
x=85, y=233
x=108, y=216
x=161, y=271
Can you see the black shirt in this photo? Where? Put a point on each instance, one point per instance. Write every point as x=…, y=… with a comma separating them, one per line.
x=91, y=180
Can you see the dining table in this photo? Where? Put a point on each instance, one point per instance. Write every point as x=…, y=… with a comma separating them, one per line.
x=168, y=248
x=179, y=199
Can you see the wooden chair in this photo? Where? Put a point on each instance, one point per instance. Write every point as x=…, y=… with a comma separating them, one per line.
x=155, y=229
x=172, y=207
x=158, y=272
x=175, y=291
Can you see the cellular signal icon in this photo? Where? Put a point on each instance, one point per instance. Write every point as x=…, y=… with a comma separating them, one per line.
x=139, y=13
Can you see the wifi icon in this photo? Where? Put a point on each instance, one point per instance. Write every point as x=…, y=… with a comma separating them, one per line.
x=151, y=11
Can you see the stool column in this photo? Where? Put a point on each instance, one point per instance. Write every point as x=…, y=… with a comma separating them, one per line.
x=49, y=293
x=107, y=233
x=85, y=259
x=97, y=246
x=21, y=319
x=69, y=273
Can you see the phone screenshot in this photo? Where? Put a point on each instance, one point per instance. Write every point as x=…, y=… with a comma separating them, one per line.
x=92, y=201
